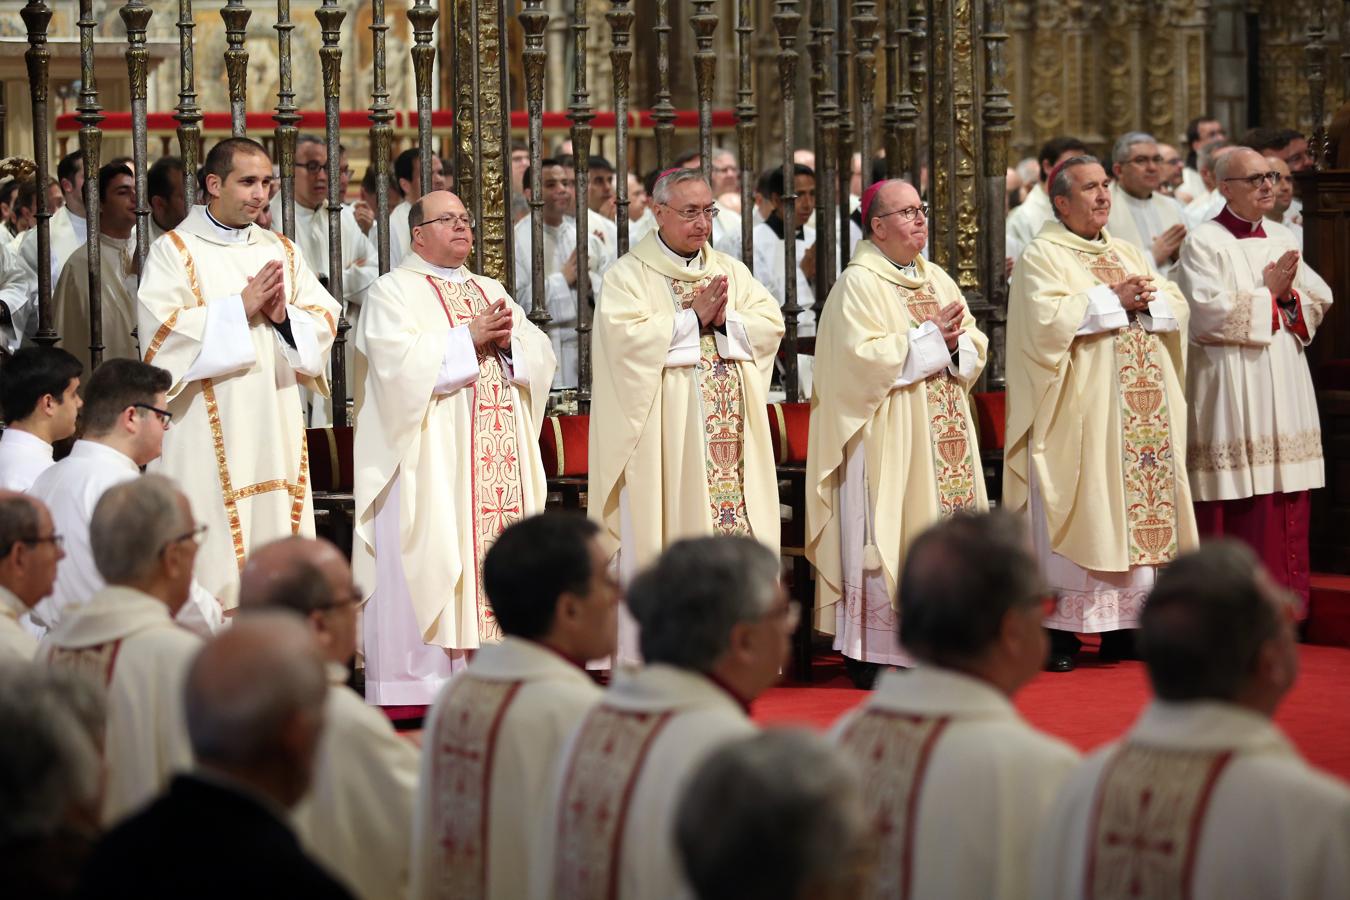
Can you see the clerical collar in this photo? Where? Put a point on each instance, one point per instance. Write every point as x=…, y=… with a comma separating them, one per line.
x=457, y=275
x=775, y=222
x=226, y=232
x=909, y=269
x=1239, y=227
x=687, y=261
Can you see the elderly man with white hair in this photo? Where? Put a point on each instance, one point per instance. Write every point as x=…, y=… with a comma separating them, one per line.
x=144, y=540
x=1139, y=213
x=775, y=816
x=715, y=624
x=30, y=549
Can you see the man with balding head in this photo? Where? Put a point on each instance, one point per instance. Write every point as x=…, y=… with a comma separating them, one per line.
x=451, y=385
x=892, y=445
x=357, y=819
x=30, y=548
x=1255, y=448
x=254, y=702
x=1208, y=202
x=1283, y=209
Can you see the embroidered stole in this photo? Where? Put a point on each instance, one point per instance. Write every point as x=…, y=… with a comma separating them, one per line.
x=723, y=406
x=948, y=425
x=495, y=461
x=1145, y=432
x=1149, y=811
x=465, y=745
x=892, y=751
x=95, y=663
x=593, y=807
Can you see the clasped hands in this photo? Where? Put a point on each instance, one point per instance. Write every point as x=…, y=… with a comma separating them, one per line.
x=492, y=326
x=266, y=293
x=710, y=304
x=1279, y=275
x=1136, y=292
x=948, y=321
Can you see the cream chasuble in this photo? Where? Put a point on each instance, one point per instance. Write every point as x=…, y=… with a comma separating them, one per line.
x=610, y=831
x=892, y=448
x=70, y=300
x=67, y=232
x=16, y=644
x=357, y=817
x=1138, y=222
x=679, y=423
x=1254, y=426
x=956, y=782
x=237, y=445
x=126, y=641
x=1201, y=800
x=447, y=456
x=1096, y=423
x=491, y=746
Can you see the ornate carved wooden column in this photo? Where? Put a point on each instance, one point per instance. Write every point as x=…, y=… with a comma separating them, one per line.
x=381, y=133
x=620, y=18
x=954, y=224
x=1316, y=54
x=826, y=135
x=890, y=127
x=906, y=112
x=581, y=114
x=482, y=128
x=663, y=111
x=704, y=23
x=843, y=76
x=136, y=16
x=533, y=20
x=996, y=119
x=37, y=16
x=187, y=114
x=91, y=141
x=786, y=19
x=745, y=124
x=236, y=16
x=330, y=16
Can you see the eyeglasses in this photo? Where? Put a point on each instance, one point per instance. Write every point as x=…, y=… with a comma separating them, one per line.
x=1254, y=181
x=908, y=214
x=1145, y=160
x=313, y=167
x=466, y=221
x=693, y=213
x=195, y=535
x=56, y=540
x=165, y=417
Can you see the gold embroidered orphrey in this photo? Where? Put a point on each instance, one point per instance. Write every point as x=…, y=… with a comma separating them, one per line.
x=465, y=745
x=1148, y=456
x=1149, y=811
x=892, y=751
x=593, y=807
x=495, y=466
x=948, y=425
x=723, y=406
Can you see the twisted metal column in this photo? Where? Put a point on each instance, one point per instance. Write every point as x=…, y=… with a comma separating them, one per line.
x=996, y=119
x=579, y=111
x=381, y=132
x=906, y=114
x=423, y=17
x=918, y=74
x=91, y=142
x=865, y=77
x=188, y=114
x=236, y=16
x=620, y=18
x=786, y=19
x=330, y=16
x=843, y=65
x=704, y=24
x=745, y=124
x=533, y=21
x=37, y=16
x=663, y=111
x=136, y=16
x=287, y=118
x=890, y=123
x=827, y=136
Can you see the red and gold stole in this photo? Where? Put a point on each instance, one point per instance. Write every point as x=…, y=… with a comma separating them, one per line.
x=593, y=807
x=1146, y=822
x=95, y=663
x=892, y=751
x=948, y=424
x=723, y=404
x=495, y=466
x=465, y=745
x=1145, y=432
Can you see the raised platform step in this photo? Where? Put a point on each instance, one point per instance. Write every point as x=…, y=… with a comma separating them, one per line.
x=1329, y=610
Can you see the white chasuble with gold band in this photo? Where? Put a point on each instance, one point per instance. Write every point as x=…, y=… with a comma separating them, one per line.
x=892, y=446
x=237, y=445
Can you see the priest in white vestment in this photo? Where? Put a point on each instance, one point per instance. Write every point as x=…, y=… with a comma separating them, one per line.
x=40, y=400
x=956, y=783
x=31, y=549
x=408, y=175
x=1096, y=415
x=685, y=343
x=770, y=263
x=145, y=541
x=1255, y=446
x=1204, y=796
x=495, y=732
x=357, y=817
x=560, y=265
x=715, y=625
x=1200, y=131
x=1210, y=202
x=1140, y=215
x=1025, y=220
x=1283, y=210
x=453, y=382
x=239, y=320
x=892, y=446
x=18, y=306
x=67, y=227
x=117, y=276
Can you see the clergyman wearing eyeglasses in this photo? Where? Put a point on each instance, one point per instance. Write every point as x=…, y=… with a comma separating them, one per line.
x=1140, y=213
x=452, y=380
x=685, y=341
x=1254, y=436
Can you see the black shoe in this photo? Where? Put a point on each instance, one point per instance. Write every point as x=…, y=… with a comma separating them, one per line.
x=1117, y=646
x=1059, y=662
x=862, y=674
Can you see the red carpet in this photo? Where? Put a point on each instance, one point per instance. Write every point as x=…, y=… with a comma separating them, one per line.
x=1097, y=703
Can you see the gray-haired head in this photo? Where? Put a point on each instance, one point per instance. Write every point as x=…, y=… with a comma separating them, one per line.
x=1235, y=161
x=1062, y=182
x=51, y=737
x=1121, y=152
x=776, y=815
x=688, y=601
x=132, y=523
x=670, y=180
x=303, y=139
x=1209, y=155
